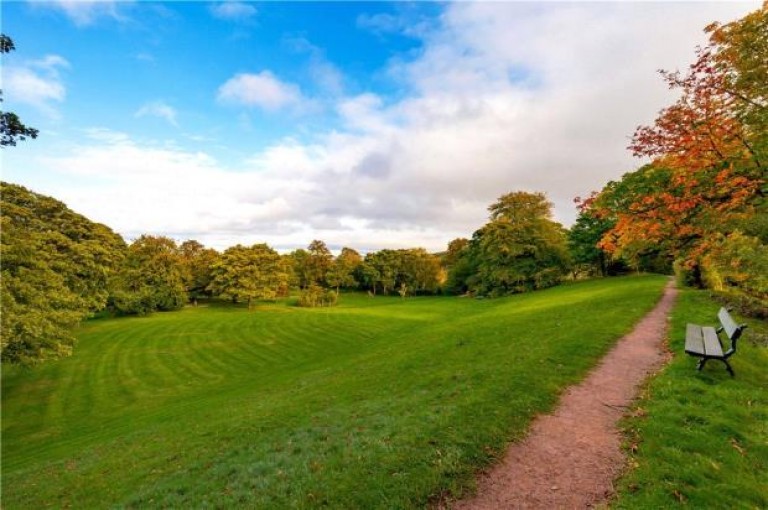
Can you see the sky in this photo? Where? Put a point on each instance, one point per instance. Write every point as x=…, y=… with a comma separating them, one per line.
x=371, y=125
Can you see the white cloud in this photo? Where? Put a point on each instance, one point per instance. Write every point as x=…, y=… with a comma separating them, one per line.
x=85, y=12
x=37, y=83
x=502, y=96
x=324, y=74
x=407, y=21
x=158, y=109
x=233, y=11
x=262, y=90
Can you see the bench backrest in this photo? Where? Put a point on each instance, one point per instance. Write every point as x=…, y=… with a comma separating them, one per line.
x=730, y=328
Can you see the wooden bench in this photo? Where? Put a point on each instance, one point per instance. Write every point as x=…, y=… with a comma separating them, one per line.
x=704, y=341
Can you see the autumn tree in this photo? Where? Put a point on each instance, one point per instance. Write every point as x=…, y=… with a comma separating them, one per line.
x=56, y=268
x=711, y=146
x=12, y=128
x=245, y=274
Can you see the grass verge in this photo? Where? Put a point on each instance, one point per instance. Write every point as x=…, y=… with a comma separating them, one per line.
x=700, y=439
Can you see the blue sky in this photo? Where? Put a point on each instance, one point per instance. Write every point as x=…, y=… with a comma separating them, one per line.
x=369, y=124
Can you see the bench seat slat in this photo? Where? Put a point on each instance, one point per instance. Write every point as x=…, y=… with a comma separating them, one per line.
x=711, y=343
x=694, y=342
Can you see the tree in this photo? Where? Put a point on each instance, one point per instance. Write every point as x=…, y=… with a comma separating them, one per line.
x=197, y=262
x=710, y=147
x=459, y=264
x=418, y=272
x=367, y=275
x=318, y=262
x=300, y=269
x=151, y=277
x=342, y=271
x=244, y=274
x=11, y=127
x=519, y=249
x=583, y=237
x=383, y=266
x=56, y=267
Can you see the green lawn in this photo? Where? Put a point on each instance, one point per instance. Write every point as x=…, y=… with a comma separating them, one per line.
x=701, y=438
x=378, y=403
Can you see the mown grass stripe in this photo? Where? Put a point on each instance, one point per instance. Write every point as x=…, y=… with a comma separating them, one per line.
x=377, y=403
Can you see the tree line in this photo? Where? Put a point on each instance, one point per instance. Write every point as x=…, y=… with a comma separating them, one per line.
x=58, y=268
x=697, y=209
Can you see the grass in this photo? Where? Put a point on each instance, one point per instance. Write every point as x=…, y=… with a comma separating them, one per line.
x=378, y=403
x=701, y=438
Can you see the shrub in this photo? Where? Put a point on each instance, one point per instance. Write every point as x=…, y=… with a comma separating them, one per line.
x=316, y=296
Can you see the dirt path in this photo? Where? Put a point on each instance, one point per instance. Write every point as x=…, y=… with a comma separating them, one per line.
x=572, y=456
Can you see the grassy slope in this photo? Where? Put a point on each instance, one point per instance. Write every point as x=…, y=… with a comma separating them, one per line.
x=702, y=437
x=379, y=403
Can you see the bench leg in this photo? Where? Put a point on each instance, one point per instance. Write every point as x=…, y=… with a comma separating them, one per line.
x=701, y=363
x=728, y=367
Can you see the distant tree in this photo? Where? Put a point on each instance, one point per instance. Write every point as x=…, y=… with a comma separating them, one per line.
x=456, y=249
x=318, y=262
x=300, y=273
x=289, y=280
x=583, y=239
x=519, y=249
x=418, y=271
x=11, y=127
x=197, y=262
x=367, y=275
x=341, y=274
x=403, y=271
x=460, y=266
x=56, y=266
x=151, y=277
x=245, y=274
x=385, y=265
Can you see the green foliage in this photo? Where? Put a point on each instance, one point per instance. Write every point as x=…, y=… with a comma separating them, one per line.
x=151, y=278
x=583, y=239
x=56, y=265
x=519, y=250
x=699, y=439
x=367, y=274
x=316, y=296
x=341, y=274
x=245, y=274
x=412, y=271
x=375, y=403
x=740, y=261
x=197, y=263
x=318, y=262
x=298, y=274
x=458, y=263
x=12, y=128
